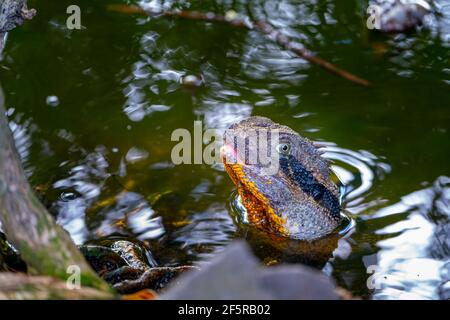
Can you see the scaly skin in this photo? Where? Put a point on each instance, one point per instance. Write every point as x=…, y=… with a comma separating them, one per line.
x=299, y=200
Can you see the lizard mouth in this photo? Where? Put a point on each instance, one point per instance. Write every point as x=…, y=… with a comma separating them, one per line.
x=259, y=210
x=231, y=163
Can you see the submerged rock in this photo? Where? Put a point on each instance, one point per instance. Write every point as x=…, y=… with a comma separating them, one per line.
x=128, y=266
x=192, y=81
x=154, y=278
x=398, y=15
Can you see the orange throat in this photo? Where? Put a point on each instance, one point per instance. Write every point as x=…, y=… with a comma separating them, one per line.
x=259, y=211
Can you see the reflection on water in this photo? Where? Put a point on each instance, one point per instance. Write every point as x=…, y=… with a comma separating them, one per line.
x=408, y=257
x=414, y=261
x=206, y=232
x=150, y=78
x=93, y=203
x=357, y=171
x=22, y=131
x=93, y=127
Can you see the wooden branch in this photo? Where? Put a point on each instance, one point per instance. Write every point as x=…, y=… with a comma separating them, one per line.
x=300, y=50
x=260, y=25
x=44, y=246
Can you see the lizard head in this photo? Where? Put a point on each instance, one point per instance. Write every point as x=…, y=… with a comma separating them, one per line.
x=285, y=185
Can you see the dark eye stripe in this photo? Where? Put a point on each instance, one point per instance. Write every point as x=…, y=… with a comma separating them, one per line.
x=309, y=185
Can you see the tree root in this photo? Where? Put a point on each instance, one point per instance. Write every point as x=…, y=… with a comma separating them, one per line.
x=154, y=278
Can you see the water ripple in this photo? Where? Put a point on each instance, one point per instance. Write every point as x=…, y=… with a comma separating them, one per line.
x=415, y=262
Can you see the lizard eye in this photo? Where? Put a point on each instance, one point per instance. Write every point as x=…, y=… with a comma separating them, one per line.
x=284, y=148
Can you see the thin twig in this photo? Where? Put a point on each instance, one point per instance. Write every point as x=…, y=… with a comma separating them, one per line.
x=260, y=25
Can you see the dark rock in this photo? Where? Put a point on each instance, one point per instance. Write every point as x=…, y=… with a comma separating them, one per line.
x=400, y=16
x=297, y=282
x=236, y=274
x=192, y=81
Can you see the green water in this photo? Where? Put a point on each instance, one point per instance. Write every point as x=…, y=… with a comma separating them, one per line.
x=117, y=87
